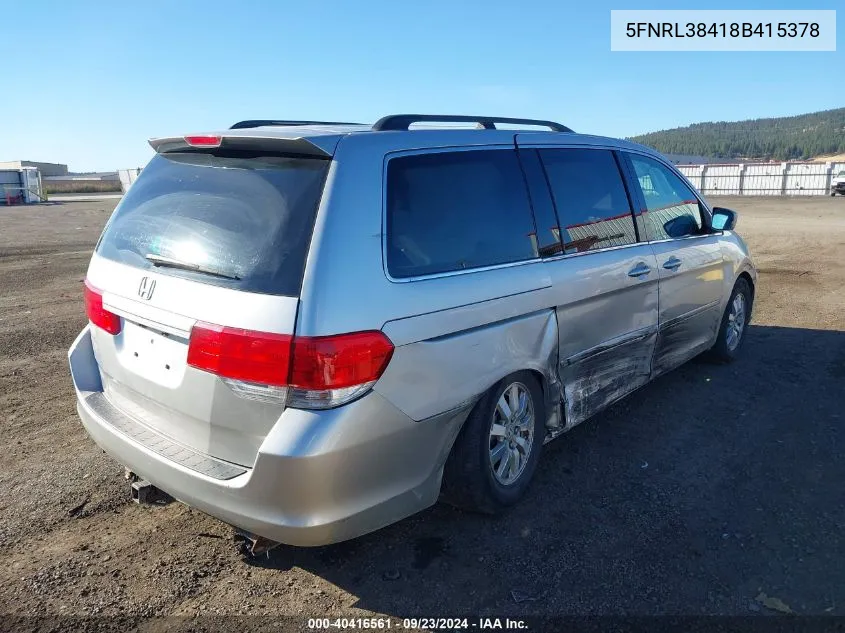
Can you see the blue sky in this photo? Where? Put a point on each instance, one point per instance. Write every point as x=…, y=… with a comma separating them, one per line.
x=90, y=82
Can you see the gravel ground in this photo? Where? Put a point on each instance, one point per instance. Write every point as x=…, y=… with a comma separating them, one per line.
x=715, y=490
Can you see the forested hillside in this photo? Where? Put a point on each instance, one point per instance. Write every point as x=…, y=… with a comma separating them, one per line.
x=785, y=138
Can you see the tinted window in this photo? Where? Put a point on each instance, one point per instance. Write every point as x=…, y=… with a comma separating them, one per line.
x=452, y=211
x=671, y=207
x=245, y=220
x=545, y=217
x=590, y=197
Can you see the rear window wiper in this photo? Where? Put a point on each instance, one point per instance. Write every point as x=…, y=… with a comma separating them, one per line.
x=169, y=262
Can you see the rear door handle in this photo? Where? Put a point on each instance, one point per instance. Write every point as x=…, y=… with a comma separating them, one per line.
x=639, y=270
x=673, y=263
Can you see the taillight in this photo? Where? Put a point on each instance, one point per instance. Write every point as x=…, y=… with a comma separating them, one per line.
x=334, y=362
x=240, y=354
x=318, y=372
x=204, y=140
x=97, y=314
x=328, y=371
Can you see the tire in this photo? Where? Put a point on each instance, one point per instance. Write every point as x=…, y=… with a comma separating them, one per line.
x=470, y=479
x=727, y=347
x=832, y=193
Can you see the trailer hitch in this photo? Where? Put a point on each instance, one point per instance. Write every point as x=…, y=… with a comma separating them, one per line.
x=253, y=545
x=145, y=493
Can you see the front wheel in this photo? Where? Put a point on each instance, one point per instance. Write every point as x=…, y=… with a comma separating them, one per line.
x=498, y=448
x=734, y=323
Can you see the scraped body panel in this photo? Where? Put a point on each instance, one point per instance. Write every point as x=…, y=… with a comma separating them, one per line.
x=602, y=377
x=470, y=360
x=607, y=322
x=690, y=298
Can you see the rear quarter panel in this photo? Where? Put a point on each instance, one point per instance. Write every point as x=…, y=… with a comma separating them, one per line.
x=431, y=375
x=455, y=335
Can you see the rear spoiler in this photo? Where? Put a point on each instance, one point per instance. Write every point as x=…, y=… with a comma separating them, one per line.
x=318, y=146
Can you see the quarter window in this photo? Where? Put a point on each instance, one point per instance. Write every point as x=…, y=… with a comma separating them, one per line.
x=450, y=211
x=590, y=197
x=672, y=209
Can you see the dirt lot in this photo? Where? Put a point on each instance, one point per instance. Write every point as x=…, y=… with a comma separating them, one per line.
x=717, y=489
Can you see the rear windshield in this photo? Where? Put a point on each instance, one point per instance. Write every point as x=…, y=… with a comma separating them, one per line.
x=237, y=220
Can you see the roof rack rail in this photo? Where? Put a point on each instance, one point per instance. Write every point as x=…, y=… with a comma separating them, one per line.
x=240, y=125
x=404, y=121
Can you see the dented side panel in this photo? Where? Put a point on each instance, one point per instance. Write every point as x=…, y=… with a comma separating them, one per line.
x=607, y=323
x=469, y=361
x=598, y=379
x=683, y=338
x=691, y=297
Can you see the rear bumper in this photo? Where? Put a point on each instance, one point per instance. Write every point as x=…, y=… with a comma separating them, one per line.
x=319, y=476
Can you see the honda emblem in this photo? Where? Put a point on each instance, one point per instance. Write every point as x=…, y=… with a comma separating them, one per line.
x=145, y=290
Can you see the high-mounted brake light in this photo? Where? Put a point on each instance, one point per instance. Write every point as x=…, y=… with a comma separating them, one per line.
x=97, y=314
x=204, y=140
x=317, y=372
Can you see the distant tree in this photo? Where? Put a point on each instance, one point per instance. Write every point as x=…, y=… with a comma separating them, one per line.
x=784, y=138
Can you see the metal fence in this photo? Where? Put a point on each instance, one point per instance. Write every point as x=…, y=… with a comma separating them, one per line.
x=763, y=179
x=127, y=177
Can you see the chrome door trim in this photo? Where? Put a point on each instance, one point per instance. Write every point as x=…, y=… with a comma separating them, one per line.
x=556, y=258
x=455, y=273
x=682, y=239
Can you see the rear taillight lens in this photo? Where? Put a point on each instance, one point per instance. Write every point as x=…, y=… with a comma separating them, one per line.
x=334, y=362
x=318, y=372
x=328, y=371
x=240, y=354
x=97, y=314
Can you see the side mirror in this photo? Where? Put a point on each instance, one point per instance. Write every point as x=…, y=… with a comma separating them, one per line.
x=681, y=226
x=723, y=219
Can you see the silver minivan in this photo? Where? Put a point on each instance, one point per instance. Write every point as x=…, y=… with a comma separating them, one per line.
x=312, y=330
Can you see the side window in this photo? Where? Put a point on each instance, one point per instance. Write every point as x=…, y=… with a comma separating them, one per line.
x=590, y=197
x=449, y=211
x=672, y=209
x=545, y=216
